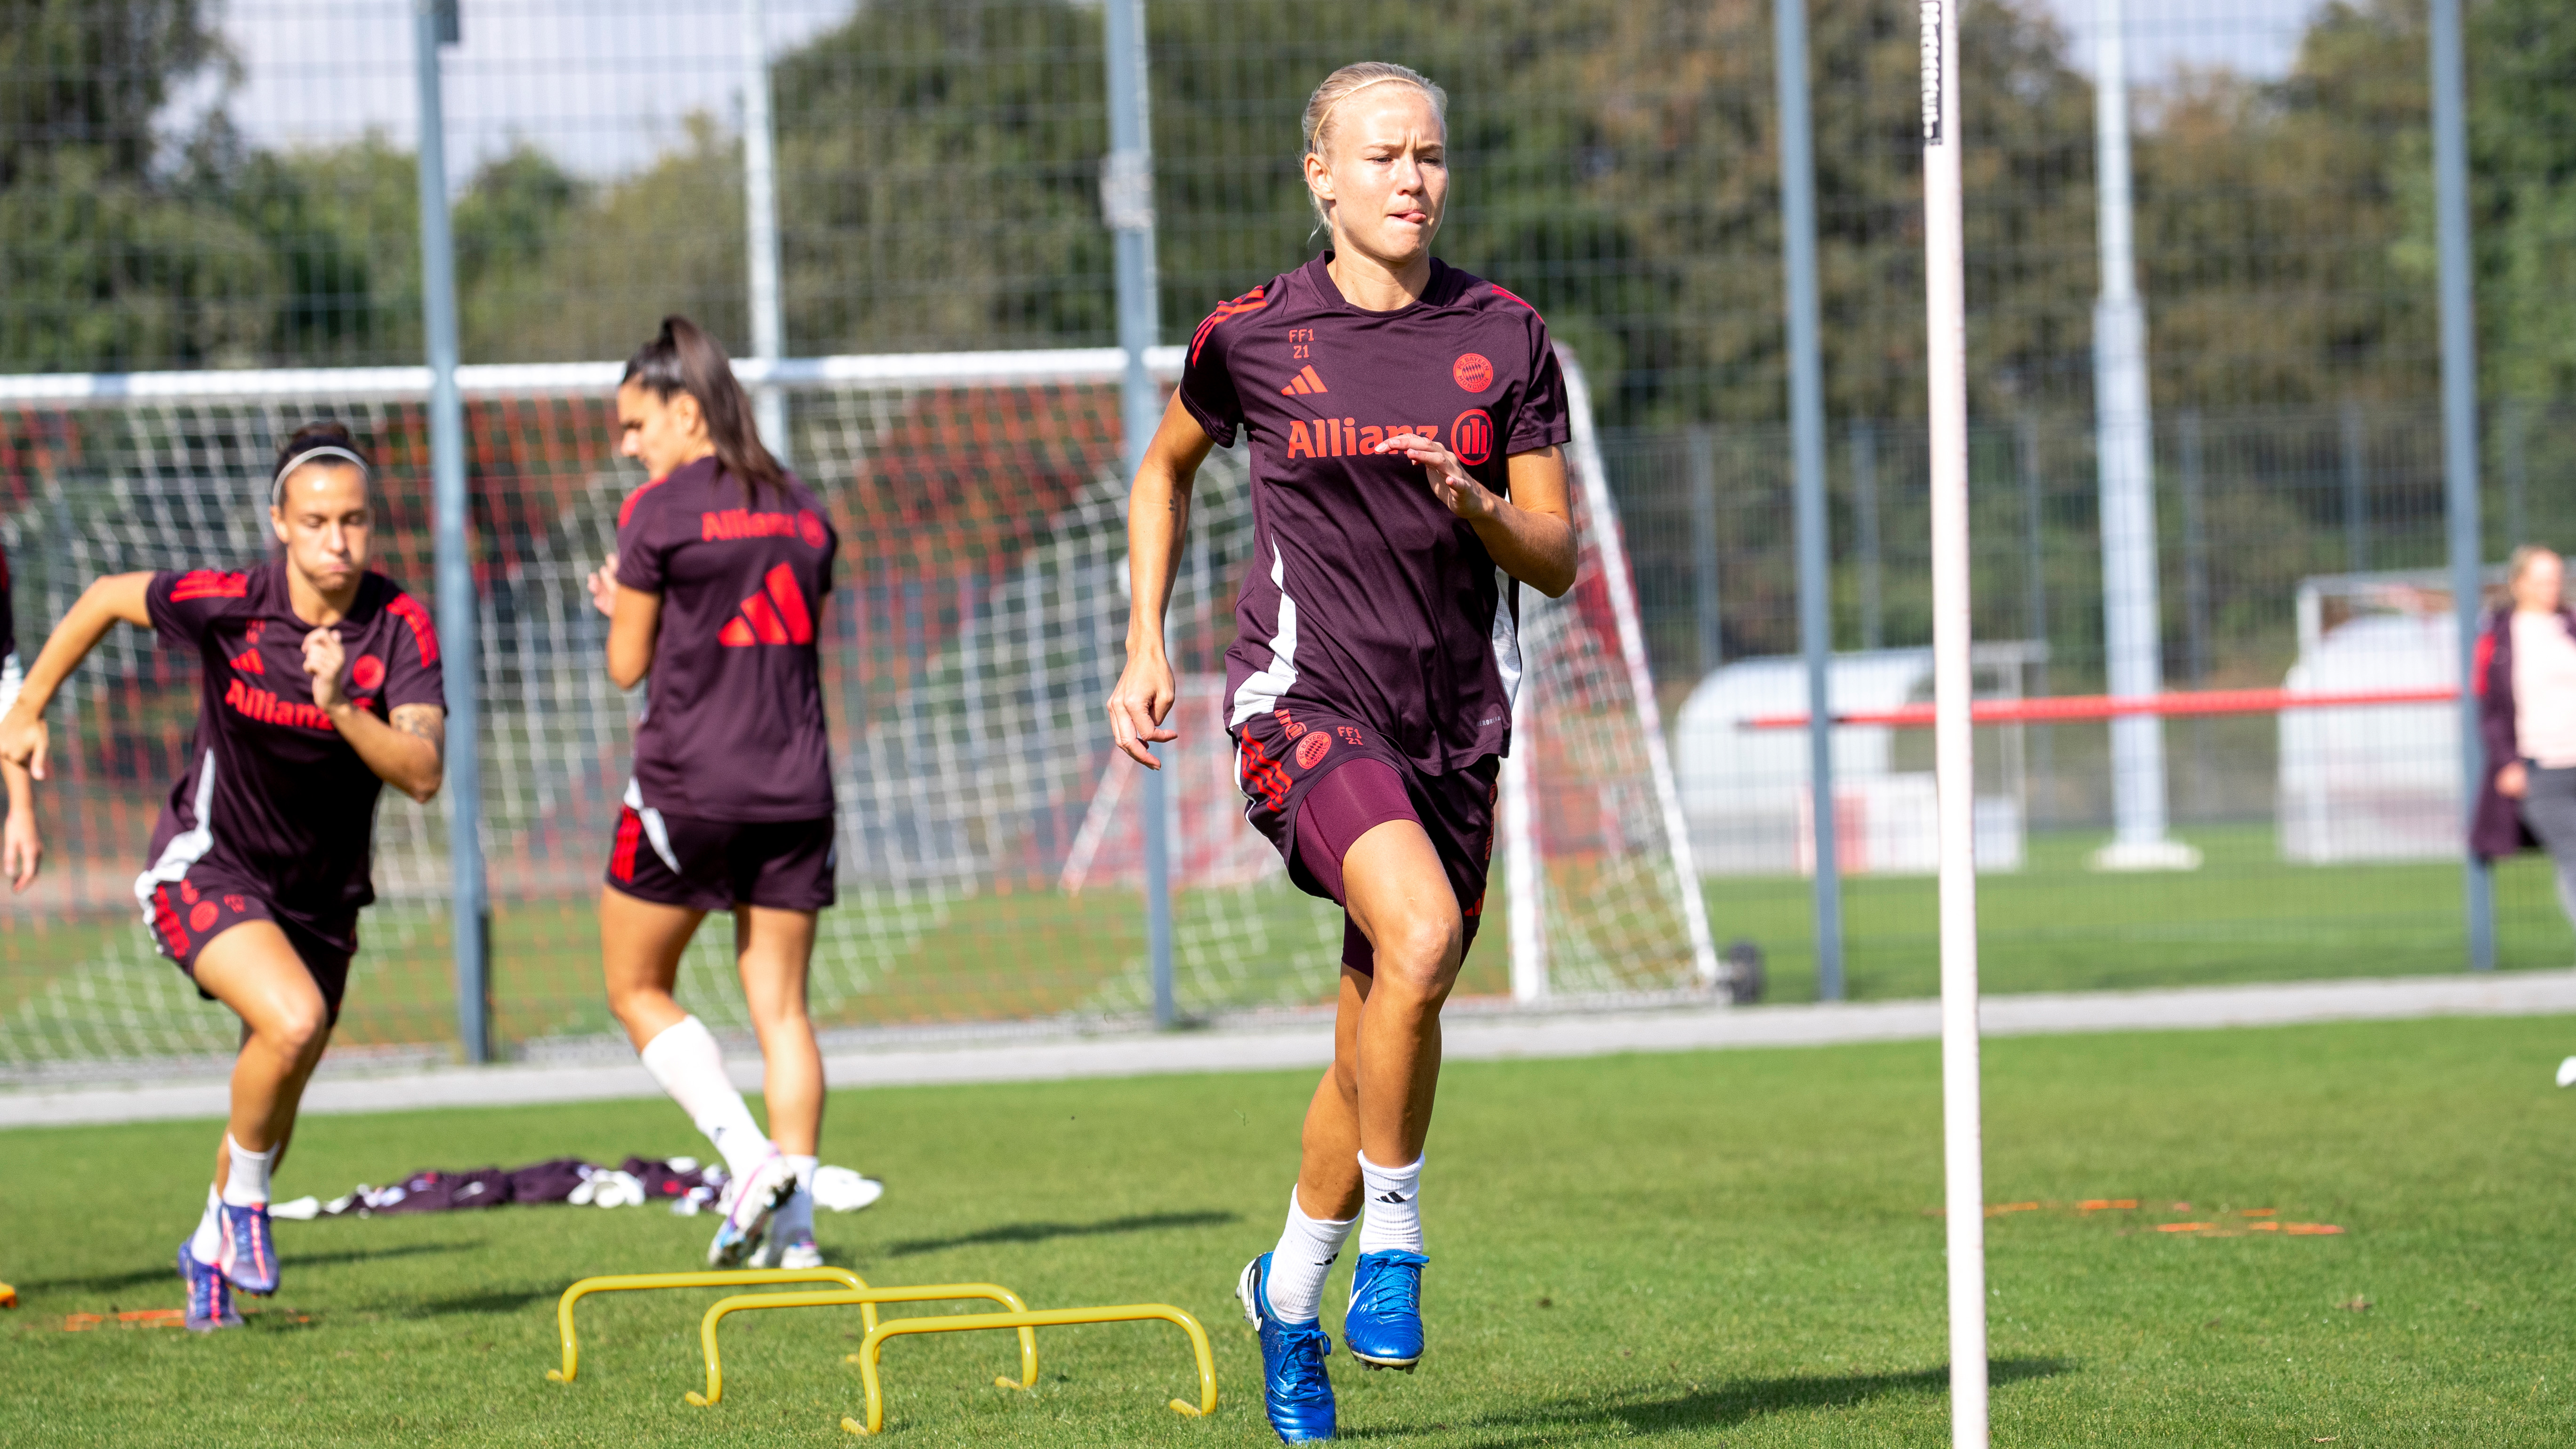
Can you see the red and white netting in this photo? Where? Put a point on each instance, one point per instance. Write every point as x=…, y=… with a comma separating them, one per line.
x=989, y=843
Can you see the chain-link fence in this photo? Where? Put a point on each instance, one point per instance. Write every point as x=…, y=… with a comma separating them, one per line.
x=188, y=185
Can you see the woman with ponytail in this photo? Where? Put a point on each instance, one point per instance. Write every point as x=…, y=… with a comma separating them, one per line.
x=724, y=561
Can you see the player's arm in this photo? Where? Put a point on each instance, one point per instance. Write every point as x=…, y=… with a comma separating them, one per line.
x=1531, y=533
x=21, y=848
x=410, y=753
x=112, y=599
x=634, y=621
x=1158, y=516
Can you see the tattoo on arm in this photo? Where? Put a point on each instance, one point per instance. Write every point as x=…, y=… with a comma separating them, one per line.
x=426, y=721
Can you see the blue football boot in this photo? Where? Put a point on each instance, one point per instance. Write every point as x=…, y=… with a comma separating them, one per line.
x=1294, y=1387
x=1384, y=1326
x=210, y=1298
x=246, y=1253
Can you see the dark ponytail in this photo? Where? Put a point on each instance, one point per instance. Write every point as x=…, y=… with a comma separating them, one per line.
x=682, y=358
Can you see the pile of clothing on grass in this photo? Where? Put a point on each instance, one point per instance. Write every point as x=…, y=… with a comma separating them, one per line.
x=686, y=1184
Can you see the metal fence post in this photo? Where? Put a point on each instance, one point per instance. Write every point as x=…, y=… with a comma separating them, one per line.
x=2460, y=441
x=1864, y=469
x=435, y=23
x=1710, y=619
x=1807, y=450
x=760, y=218
x=1127, y=204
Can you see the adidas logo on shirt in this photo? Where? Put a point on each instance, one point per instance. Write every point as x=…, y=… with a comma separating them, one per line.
x=1304, y=383
x=776, y=615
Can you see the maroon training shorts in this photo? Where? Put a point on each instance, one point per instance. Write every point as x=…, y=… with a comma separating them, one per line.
x=1318, y=782
x=186, y=913
x=715, y=865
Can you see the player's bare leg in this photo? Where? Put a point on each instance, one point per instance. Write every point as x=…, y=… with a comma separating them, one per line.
x=1371, y=1113
x=774, y=951
x=286, y=1024
x=640, y=945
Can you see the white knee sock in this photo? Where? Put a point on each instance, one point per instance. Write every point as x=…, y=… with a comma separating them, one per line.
x=690, y=1066
x=1394, y=1197
x=1307, y=1248
x=247, y=1184
x=208, y=1239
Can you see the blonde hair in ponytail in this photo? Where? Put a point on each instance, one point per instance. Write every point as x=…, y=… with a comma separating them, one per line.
x=1340, y=86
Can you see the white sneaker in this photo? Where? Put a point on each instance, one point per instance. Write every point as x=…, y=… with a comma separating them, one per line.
x=845, y=1191
x=2567, y=1072
x=757, y=1198
x=790, y=1248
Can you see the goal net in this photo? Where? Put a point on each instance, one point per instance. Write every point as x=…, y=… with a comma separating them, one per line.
x=991, y=842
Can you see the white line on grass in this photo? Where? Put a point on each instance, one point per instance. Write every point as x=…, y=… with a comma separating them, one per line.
x=1308, y=1044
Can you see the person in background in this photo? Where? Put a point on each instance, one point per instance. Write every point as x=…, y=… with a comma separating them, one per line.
x=2525, y=678
x=724, y=564
x=20, y=846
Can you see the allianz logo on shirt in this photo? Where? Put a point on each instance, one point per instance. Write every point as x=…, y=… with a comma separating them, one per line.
x=728, y=524
x=1471, y=437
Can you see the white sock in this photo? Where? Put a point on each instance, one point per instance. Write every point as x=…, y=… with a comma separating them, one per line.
x=690, y=1066
x=798, y=1213
x=208, y=1240
x=1307, y=1248
x=247, y=1184
x=1394, y=1197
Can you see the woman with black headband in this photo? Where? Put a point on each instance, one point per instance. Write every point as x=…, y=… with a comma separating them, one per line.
x=321, y=685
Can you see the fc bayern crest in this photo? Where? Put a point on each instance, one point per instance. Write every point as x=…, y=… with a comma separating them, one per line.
x=810, y=528
x=1310, y=750
x=1472, y=372
x=368, y=672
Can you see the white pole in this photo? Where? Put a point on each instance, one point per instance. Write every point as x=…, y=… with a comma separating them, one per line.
x=760, y=216
x=1522, y=877
x=1954, y=760
x=2124, y=452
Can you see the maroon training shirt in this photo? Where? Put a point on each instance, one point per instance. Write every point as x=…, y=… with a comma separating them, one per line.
x=274, y=799
x=733, y=715
x=1367, y=597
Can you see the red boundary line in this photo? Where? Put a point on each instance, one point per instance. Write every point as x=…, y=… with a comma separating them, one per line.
x=2077, y=708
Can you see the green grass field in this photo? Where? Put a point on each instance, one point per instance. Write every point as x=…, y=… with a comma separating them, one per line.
x=1736, y=1248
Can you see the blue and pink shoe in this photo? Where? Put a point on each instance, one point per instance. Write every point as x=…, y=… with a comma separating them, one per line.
x=210, y=1298
x=757, y=1197
x=246, y=1251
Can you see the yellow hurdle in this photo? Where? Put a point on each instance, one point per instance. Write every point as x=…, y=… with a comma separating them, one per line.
x=727, y=1278
x=866, y=1357
x=864, y=1297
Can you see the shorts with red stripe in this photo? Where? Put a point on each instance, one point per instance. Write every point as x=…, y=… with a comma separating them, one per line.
x=1317, y=782
x=186, y=914
x=716, y=865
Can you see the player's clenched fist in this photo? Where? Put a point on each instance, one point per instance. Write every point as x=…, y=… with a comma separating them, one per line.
x=324, y=658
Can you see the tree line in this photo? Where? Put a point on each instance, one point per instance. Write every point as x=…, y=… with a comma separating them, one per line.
x=1614, y=159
